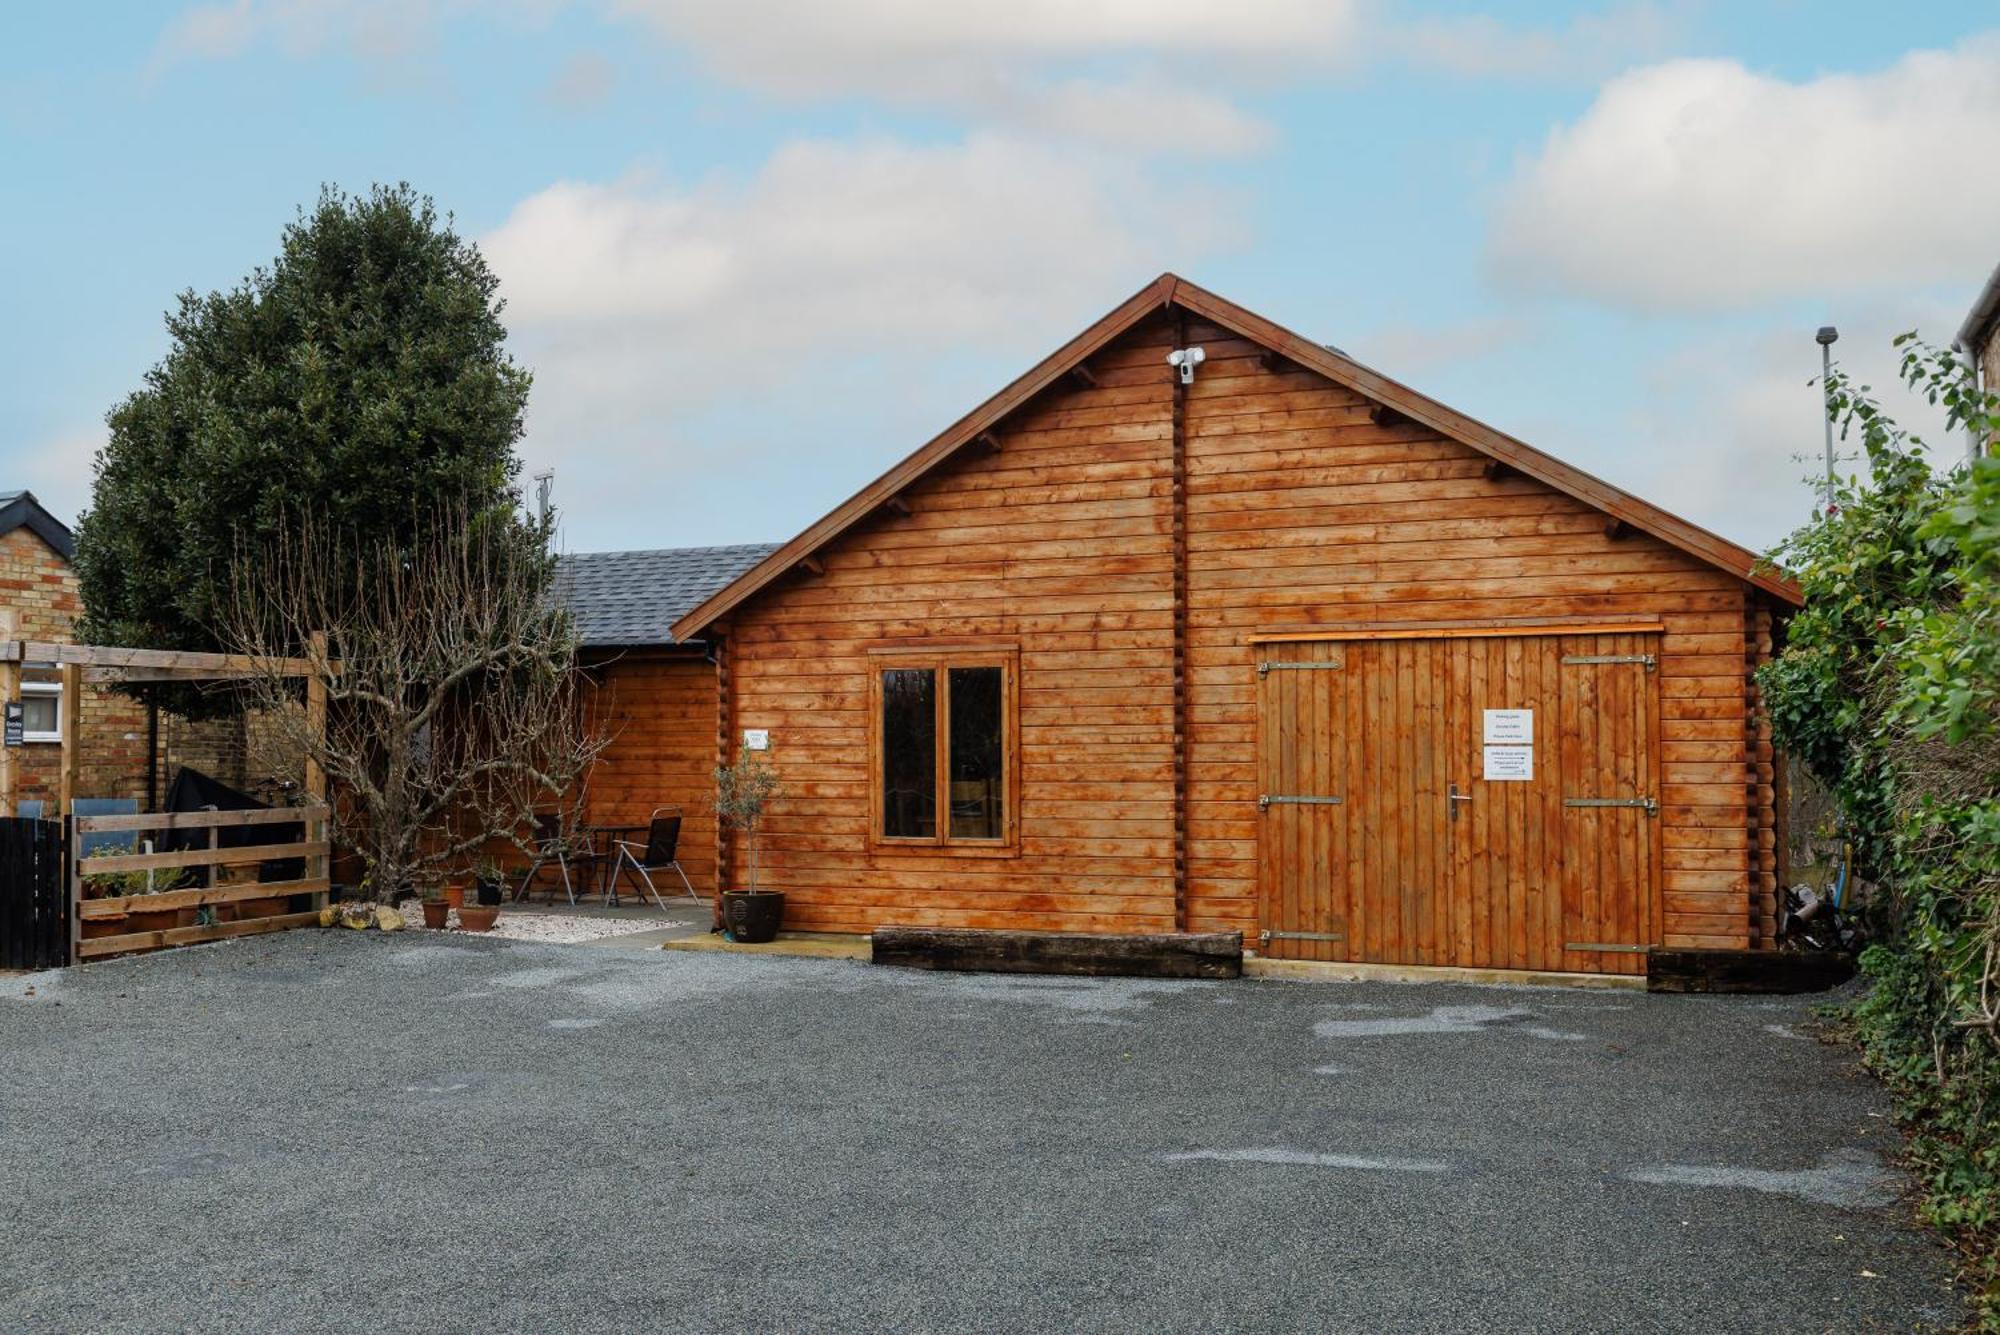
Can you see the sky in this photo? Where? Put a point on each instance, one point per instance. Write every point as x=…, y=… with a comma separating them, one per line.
x=757, y=252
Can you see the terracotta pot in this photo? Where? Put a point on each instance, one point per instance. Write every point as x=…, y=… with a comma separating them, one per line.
x=94, y=928
x=478, y=917
x=435, y=912
x=454, y=895
x=152, y=920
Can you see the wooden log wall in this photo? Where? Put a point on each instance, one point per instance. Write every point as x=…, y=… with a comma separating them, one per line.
x=1303, y=509
x=661, y=710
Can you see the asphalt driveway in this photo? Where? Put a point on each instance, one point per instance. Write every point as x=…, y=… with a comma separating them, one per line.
x=344, y=1131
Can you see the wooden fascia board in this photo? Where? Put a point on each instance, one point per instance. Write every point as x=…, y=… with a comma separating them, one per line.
x=1593, y=491
x=1155, y=296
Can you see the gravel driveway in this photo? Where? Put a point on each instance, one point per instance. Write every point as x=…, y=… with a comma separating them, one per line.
x=344, y=1131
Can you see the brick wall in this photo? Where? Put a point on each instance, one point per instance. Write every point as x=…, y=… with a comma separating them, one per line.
x=41, y=589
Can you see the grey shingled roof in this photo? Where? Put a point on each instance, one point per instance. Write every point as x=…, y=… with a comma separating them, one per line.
x=634, y=598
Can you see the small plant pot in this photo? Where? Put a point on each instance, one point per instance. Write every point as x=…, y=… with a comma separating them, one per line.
x=753, y=916
x=435, y=913
x=152, y=920
x=454, y=895
x=478, y=917
x=490, y=892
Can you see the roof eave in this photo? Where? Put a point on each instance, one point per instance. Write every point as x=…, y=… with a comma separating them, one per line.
x=1980, y=319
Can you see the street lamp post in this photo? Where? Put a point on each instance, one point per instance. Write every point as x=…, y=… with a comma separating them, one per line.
x=1825, y=338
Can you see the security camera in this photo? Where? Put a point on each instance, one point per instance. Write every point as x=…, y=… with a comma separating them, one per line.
x=1187, y=359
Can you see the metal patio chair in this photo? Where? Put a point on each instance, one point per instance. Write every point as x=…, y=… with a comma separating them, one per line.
x=552, y=843
x=660, y=852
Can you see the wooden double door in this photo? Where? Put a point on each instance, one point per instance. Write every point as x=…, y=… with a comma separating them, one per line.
x=1475, y=802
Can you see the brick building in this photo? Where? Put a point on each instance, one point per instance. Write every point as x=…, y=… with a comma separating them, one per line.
x=116, y=735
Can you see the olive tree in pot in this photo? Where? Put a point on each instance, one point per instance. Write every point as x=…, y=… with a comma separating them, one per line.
x=743, y=792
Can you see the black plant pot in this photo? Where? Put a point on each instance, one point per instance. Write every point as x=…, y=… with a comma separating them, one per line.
x=752, y=916
x=489, y=892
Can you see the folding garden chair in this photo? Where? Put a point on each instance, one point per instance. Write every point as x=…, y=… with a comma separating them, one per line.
x=660, y=852
x=552, y=843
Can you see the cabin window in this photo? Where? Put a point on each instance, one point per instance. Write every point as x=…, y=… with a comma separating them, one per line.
x=944, y=745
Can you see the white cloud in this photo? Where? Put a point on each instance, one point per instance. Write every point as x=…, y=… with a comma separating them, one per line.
x=652, y=310
x=584, y=81
x=375, y=32
x=1728, y=430
x=1590, y=46
x=1698, y=184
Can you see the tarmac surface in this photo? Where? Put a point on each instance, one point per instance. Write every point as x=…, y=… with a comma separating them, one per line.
x=331, y=1131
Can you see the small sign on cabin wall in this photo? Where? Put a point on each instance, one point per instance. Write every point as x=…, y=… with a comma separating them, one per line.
x=757, y=739
x=1510, y=764
x=1510, y=727
x=17, y=719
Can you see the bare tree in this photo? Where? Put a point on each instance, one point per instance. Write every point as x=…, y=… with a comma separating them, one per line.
x=455, y=709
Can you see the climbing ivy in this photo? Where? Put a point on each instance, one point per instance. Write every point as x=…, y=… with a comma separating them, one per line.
x=1886, y=691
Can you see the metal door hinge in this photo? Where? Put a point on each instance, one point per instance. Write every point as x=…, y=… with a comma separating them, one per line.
x=1646, y=804
x=1267, y=801
x=1651, y=663
x=1267, y=668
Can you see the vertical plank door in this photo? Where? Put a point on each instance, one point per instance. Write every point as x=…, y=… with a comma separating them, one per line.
x=1303, y=771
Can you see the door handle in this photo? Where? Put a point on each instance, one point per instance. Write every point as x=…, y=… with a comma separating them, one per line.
x=1453, y=798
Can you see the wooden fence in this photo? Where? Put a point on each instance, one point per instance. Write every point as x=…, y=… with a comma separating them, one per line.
x=34, y=895
x=233, y=875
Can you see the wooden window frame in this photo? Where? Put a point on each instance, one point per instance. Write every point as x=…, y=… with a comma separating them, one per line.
x=939, y=660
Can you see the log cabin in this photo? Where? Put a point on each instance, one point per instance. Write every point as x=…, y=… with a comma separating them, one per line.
x=1201, y=625
x=654, y=695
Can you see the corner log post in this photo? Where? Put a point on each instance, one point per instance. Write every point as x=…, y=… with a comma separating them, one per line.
x=1147, y=955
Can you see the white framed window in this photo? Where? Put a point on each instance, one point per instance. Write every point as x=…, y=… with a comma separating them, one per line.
x=41, y=711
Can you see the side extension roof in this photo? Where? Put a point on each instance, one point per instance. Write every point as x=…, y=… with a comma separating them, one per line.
x=1168, y=291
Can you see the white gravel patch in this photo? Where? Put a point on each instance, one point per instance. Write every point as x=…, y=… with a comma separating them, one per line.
x=551, y=928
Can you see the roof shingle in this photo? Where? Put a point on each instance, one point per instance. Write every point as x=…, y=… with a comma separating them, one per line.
x=634, y=598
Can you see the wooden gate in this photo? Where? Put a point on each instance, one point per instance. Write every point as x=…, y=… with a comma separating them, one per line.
x=1481, y=802
x=34, y=895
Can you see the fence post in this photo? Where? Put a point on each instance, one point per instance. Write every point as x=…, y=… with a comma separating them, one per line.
x=72, y=889
x=69, y=727
x=10, y=691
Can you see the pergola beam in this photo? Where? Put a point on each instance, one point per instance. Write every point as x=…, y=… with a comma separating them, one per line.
x=190, y=663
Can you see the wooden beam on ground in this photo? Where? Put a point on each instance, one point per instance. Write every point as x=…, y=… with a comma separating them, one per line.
x=1764, y=971
x=1146, y=955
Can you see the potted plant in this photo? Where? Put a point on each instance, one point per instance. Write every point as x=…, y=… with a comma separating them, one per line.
x=743, y=792
x=478, y=917
x=490, y=879
x=437, y=910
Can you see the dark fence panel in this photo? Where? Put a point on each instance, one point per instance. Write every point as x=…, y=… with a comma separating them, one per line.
x=34, y=899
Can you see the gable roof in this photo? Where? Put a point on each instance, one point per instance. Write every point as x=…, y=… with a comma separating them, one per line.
x=628, y=599
x=1169, y=290
x=20, y=509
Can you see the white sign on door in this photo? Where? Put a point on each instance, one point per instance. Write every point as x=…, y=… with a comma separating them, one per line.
x=757, y=739
x=1510, y=763
x=1510, y=727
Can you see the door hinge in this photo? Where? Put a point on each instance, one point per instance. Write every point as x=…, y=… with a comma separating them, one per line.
x=1265, y=669
x=1646, y=804
x=1267, y=936
x=1605, y=947
x=1266, y=801
x=1651, y=663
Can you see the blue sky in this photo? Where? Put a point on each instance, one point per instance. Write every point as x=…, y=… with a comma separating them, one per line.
x=757, y=252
